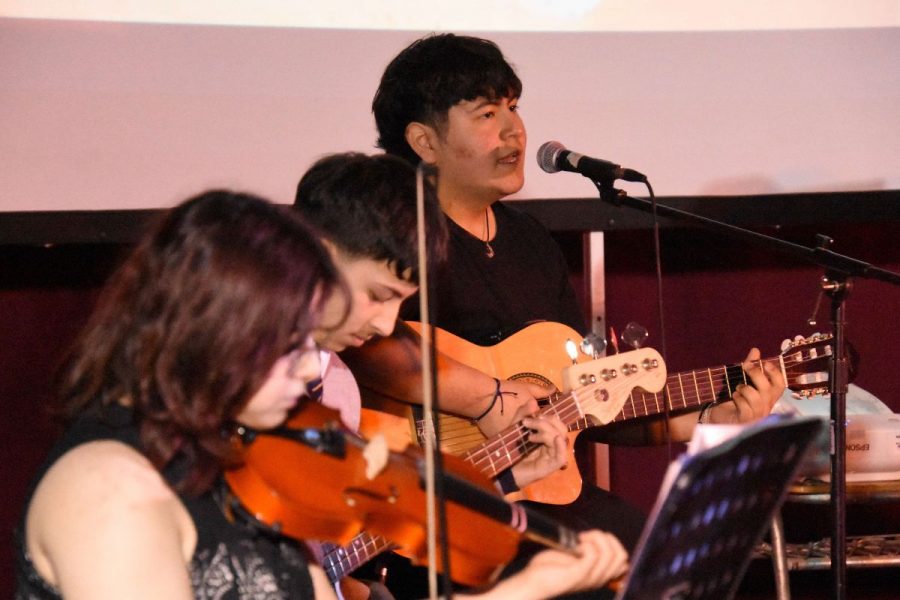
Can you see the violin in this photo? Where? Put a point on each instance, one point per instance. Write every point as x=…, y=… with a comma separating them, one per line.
x=314, y=479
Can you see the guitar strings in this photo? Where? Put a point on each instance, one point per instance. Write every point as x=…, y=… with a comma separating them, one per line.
x=514, y=438
x=341, y=560
x=650, y=402
x=505, y=449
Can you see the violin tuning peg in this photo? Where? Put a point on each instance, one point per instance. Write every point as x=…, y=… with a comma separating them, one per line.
x=634, y=335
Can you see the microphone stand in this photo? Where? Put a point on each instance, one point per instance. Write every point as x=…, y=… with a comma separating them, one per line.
x=836, y=283
x=436, y=496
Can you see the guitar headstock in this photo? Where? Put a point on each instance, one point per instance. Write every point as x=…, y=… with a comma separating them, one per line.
x=806, y=364
x=603, y=384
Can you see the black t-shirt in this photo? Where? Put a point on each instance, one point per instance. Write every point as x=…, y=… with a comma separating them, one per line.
x=486, y=299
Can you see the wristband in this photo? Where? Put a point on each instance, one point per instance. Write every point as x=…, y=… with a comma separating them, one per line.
x=497, y=394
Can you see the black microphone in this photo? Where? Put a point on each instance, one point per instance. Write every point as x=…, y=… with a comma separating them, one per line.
x=553, y=157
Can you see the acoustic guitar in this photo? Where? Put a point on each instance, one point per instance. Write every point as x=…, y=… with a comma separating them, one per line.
x=634, y=388
x=587, y=398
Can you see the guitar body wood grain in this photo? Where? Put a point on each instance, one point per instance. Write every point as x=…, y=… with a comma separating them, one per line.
x=536, y=354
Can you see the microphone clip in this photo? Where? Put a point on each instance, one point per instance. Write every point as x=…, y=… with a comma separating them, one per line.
x=609, y=193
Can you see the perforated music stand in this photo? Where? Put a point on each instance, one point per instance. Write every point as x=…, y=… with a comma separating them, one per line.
x=702, y=531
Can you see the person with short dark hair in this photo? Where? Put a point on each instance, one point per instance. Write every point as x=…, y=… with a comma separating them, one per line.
x=452, y=103
x=431, y=76
x=364, y=209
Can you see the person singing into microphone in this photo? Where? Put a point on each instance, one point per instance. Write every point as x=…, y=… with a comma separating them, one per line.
x=453, y=102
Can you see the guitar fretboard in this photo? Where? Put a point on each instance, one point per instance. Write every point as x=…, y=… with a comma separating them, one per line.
x=682, y=391
x=688, y=390
x=339, y=561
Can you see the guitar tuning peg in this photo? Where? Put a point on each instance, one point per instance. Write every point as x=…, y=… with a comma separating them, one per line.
x=634, y=335
x=593, y=345
x=571, y=350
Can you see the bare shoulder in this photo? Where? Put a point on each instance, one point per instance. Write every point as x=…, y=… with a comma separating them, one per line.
x=104, y=507
x=100, y=474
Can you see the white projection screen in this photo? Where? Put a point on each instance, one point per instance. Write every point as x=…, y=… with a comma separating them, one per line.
x=119, y=105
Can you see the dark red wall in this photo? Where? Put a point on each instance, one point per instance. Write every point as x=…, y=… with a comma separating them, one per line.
x=45, y=296
x=722, y=297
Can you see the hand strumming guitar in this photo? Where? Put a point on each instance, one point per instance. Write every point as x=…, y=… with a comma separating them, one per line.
x=550, y=456
x=516, y=399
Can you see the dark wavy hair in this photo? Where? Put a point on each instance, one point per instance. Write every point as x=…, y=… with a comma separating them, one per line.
x=429, y=77
x=188, y=328
x=366, y=206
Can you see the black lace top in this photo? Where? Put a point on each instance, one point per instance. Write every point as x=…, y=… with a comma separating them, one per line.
x=231, y=560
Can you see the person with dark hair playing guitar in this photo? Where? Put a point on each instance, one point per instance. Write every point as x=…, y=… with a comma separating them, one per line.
x=452, y=102
x=364, y=209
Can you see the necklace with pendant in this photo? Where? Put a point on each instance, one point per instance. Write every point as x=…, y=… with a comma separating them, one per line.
x=488, y=250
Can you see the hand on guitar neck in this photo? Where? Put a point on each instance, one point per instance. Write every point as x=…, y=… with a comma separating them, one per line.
x=752, y=402
x=749, y=401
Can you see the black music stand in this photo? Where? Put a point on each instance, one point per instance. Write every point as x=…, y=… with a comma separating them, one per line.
x=704, y=527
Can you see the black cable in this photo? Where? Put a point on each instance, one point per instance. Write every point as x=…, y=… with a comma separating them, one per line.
x=657, y=254
x=615, y=196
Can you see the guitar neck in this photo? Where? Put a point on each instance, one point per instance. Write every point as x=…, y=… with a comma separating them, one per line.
x=504, y=450
x=688, y=390
x=339, y=561
x=683, y=391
